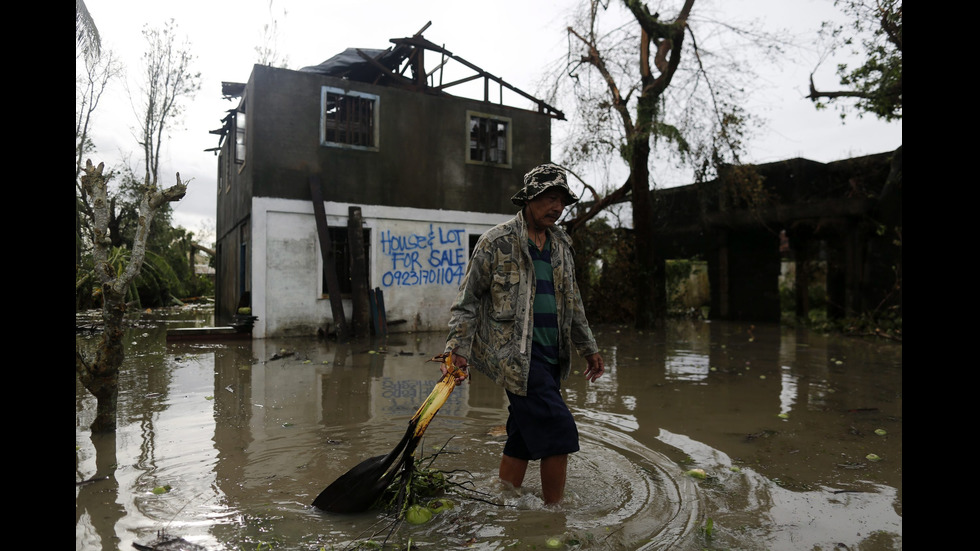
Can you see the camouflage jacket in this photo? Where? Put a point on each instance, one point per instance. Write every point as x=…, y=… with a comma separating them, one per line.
x=492, y=317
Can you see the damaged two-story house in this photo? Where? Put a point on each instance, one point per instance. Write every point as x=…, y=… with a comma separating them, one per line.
x=370, y=142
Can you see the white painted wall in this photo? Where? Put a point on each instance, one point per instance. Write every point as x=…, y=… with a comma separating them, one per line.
x=418, y=257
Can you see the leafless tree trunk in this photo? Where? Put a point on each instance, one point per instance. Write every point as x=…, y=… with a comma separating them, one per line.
x=100, y=374
x=167, y=80
x=667, y=39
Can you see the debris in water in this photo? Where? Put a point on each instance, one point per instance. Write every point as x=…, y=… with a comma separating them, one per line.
x=166, y=542
x=697, y=473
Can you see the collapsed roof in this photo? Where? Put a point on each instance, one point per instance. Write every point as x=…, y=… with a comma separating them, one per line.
x=356, y=63
x=389, y=67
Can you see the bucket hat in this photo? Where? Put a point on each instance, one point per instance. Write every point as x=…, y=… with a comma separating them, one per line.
x=541, y=178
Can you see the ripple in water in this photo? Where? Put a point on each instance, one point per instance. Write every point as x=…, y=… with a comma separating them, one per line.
x=619, y=495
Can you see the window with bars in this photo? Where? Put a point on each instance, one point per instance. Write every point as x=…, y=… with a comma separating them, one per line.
x=349, y=119
x=489, y=139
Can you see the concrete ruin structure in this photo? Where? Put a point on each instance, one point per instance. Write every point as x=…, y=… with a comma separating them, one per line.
x=745, y=223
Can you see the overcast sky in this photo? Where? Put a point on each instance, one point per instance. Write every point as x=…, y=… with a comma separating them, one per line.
x=511, y=39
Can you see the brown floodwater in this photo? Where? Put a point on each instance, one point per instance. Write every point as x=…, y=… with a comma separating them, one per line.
x=799, y=435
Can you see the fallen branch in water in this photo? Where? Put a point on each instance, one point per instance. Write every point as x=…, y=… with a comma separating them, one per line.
x=422, y=487
x=93, y=479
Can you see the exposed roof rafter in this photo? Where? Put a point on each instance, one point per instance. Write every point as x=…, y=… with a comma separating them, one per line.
x=388, y=68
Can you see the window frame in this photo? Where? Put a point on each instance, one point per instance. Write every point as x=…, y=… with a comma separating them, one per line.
x=241, y=128
x=224, y=179
x=509, y=139
x=375, y=99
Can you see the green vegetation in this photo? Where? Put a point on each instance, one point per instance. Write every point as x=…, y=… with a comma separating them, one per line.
x=167, y=276
x=605, y=269
x=885, y=322
x=873, y=35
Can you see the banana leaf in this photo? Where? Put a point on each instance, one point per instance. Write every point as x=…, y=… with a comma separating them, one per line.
x=359, y=488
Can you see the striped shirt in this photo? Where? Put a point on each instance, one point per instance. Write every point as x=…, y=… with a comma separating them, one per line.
x=545, y=334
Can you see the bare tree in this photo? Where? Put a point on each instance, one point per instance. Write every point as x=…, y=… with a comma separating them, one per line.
x=167, y=80
x=100, y=374
x=89, y=87
x=621, y=78
x=268, y=51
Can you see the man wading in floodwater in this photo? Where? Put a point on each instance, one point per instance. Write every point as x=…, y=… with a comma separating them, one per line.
x=517, y=316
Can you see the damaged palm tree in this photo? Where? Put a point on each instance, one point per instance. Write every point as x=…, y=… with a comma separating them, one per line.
x=361, y=487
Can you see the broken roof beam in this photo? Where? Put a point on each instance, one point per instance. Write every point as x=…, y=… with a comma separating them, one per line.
x=378, y=65
x=420, y=42
x=442, y=87
x=542, y=106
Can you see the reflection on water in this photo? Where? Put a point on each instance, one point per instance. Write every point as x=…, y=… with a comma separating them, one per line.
x=246, y=434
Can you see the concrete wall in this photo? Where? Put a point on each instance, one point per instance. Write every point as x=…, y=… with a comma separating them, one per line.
x=420, y=160
x=417, y=258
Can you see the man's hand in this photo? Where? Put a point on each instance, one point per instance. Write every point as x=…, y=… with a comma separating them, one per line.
x=596, y=367
x=461, y=366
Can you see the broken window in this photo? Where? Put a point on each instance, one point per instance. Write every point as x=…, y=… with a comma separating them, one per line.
x=224, y=182
x=489, y=139
x=240, y=137
x=349, y=119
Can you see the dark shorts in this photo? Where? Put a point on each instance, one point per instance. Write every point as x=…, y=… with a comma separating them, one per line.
x=540, y=424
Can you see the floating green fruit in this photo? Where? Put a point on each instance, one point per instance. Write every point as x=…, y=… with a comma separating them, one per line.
x=872, y=457
x=553, y=543
x=417, y=514
x=697, y=473
x=440, y=505
x=783, y=416
x=161, y=489
x=880, y=432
